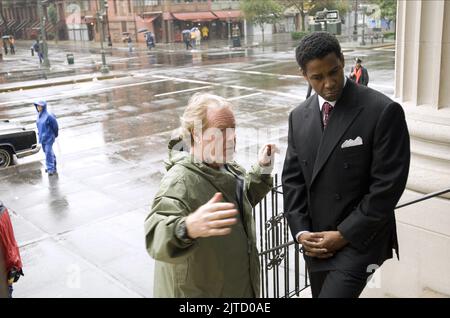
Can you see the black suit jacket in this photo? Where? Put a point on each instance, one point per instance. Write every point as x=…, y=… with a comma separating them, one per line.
x=354, y=189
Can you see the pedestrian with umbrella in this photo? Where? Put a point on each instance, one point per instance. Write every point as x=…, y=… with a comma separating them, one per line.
x=130, y=43
x=12, y=45
x=5, y=40
x=150, y=39
x=187, y=38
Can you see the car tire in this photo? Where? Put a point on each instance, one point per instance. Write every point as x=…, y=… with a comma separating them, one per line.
x=5, y=158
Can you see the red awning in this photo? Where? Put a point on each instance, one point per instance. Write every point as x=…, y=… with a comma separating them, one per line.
x=225, y=15
x=195, y=16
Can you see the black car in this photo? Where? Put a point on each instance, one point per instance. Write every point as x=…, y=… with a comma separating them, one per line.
x=16, y=140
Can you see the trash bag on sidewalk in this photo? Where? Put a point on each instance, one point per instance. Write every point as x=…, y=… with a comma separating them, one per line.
x=10, y=249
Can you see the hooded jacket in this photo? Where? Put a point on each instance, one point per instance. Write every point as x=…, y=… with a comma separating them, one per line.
x=223, y=266
x=47, y=126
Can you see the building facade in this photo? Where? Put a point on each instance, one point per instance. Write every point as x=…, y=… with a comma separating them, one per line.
x=21, y=18
x=168, y=18
x=422, y=74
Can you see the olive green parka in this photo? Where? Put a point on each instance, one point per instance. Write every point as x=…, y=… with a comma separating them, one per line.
x=222, y=266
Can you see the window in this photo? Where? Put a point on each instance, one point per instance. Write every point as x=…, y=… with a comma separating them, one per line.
x=115, y=6
x=129, y=6
x=151, y=2
x=124, y=26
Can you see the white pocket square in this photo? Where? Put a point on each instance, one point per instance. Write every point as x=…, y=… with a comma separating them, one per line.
x=352, y=142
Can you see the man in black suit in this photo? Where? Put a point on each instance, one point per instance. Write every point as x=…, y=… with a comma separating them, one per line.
x=346, y=167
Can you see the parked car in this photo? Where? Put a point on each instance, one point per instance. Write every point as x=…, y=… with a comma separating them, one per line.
x=16, y=140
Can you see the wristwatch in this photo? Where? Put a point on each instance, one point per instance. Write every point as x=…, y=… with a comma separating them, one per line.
x=181, y=232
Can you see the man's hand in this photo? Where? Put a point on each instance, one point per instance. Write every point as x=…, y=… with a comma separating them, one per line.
x=333, y=241
x=311, y=245
x=266, y=155
x=322, y=244
x=211, y=219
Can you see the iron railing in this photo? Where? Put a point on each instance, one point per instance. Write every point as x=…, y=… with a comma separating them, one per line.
x=283, y=270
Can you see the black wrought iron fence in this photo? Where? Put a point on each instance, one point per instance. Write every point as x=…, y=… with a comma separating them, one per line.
x=283, y=269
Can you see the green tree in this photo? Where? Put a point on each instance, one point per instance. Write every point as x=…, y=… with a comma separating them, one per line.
x=342, y=6
x=53, y=19
x=261, y=12
x=388, y=9
x=301, y=6
x=310, y=7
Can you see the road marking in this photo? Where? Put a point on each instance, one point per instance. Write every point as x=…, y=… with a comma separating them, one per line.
x=177, y=79
x=161, y=78
x=230, y=86
x=264, y=65
x=79, y=93
x=244, y=96
x=183, y=91
x=255, y=73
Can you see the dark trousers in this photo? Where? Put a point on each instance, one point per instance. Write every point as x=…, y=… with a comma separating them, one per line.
x=338, y=283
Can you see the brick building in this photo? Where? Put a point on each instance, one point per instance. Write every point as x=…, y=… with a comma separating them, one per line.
x=21, y=18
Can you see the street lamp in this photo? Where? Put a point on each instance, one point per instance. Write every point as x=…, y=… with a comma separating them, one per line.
x=107, y=24
x=100, y=18
x=355, y=26
x=363, y=42
x=229, y=28
x=364, y=11
x=46, y=62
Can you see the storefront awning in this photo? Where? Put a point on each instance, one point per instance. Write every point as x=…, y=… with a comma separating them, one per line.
x=150, y=18
x=195, y=16
x=225, y=15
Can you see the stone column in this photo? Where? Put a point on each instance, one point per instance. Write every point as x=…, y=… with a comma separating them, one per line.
x=422, y=87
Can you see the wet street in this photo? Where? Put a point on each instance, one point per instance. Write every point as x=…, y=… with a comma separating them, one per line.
x=81, y=233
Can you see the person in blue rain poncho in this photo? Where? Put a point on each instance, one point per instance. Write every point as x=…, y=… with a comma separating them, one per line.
x=47, y=126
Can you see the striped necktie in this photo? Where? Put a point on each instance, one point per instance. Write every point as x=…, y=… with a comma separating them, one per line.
x=326, y=112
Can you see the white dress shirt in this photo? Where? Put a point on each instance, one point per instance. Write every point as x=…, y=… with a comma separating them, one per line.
x=321, y=102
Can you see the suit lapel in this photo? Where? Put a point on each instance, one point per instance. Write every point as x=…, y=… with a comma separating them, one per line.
x=342, y=116
x=312, y=128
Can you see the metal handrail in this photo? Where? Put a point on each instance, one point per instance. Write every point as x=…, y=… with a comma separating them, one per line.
x=425, y=197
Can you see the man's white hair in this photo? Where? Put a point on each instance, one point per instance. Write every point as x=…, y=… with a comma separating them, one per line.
x=196, y=113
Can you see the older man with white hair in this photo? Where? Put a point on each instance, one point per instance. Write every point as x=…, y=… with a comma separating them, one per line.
x=200, y=229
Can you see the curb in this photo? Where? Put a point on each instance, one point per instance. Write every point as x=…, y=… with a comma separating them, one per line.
x=371, y=47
